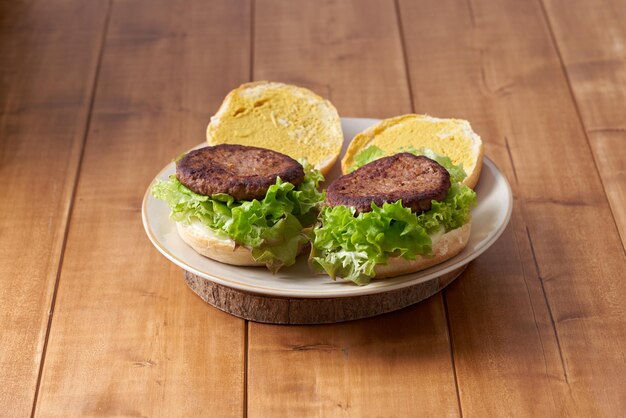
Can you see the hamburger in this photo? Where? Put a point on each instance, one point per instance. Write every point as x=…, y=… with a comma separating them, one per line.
x=243, y=205
x=394, y=215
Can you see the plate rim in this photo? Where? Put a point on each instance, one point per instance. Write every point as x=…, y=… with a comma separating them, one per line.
x=303, y=294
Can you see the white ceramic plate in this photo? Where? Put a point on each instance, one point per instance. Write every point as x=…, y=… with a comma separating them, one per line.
x=489, y=219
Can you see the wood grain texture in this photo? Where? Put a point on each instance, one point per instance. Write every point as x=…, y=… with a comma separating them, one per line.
x=128, y=338
x=591, y=39
x=277, y=310
x=42, y=126
x=348, y=52
x=537, y=323
x=393, y=365
x=390, y=365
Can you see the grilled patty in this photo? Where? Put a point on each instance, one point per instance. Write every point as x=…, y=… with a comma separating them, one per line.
x=416, y=180
x=240, y=171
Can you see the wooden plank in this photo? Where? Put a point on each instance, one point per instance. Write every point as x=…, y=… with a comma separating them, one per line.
x=329, y=49
x=42, y=126
x=591, y=39
x=128, y=337
x=393, y=365
x=390, y=365
x=557, y=347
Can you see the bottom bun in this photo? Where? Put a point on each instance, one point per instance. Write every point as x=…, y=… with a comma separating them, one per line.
x=209, y=244
x=447, y=246
x=213, y=246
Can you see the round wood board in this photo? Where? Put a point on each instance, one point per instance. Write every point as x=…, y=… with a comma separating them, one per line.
x=279, y=310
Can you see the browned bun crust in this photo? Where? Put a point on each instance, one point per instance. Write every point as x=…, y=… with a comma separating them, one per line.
x=416, y=180
x=240, y=171
x=471, y=180
x=449, y=245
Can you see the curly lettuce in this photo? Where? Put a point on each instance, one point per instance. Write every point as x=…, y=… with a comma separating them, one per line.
x=273, y=228
x=366, y=156
x=350, y=246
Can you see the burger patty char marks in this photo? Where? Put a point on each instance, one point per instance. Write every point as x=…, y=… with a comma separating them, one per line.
x=416, y=180
x=240, y=171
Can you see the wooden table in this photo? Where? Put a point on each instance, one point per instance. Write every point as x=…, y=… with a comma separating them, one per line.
x=97, y=96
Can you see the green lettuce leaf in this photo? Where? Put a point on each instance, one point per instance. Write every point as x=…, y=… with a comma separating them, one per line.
x=451, y=213
x=350, y=247
x=366, y=156
x=272, y=228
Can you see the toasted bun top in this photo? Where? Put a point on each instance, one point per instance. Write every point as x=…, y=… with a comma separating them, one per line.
x=453, y=138
x=242, y=172
x=285, y=118
x=416, y=180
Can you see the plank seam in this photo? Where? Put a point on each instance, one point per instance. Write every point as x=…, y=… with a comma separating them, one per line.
x=451, y=345
x=550, y=314
x=251, y=40
x=579, y=114
x=246, y=344
x=443, y=295
x=404, y=54
x=245, y=368
x=532, y=305
x=71, y=205
x=537, y=274
x=470, y=10
x=508, y=150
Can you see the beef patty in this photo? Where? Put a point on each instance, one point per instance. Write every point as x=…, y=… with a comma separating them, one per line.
x=416, y=180
x=240, y=171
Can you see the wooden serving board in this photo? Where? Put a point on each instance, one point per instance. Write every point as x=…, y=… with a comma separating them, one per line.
x=281, y=310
